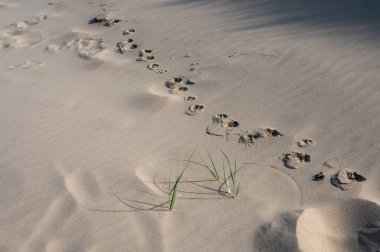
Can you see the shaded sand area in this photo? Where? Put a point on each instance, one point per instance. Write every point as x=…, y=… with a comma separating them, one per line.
x=100, y=100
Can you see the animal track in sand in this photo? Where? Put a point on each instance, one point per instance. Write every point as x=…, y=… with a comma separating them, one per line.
x=153, y=66
x=195, y=109
x=293, y=159
x=178, y=89
x=345, y=179
x=250, y=138
x=107, y=19
x=86, y=48
x=156, y=67
x=221, y=125
x=175, y=85
x=128, y=32
x=190, y=82
x=305, y=142
x=177, y=81
x=224, y=121
x=190, y=98
x=319, y=176
x=126, y=45
x=162, y=71
x=145, y=55
x=26, y=65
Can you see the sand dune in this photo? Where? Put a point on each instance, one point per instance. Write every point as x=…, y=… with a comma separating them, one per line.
x=350, y=225
x=100, y=100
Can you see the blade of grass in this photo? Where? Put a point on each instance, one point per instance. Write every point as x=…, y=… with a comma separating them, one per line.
x=170, y=174
x=240, y=183
x=173, y=191
x=206, y=167
x=235, y=167
x=187, y=164
x=174, y=194
x=213, y=172
x=225, y=181
x=214, y=167
x=229, y=165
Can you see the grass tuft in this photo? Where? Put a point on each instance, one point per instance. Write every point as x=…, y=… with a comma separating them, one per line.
x=230, y=184
x=233, y=189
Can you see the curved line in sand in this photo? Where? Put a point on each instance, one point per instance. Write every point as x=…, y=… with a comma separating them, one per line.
x=287, y=175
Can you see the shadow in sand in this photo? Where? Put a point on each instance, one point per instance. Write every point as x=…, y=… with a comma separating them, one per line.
x=149, y=206
x=278, y=235
x=337, y=16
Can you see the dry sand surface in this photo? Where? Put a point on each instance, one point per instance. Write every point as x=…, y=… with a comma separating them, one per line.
x=97, y=112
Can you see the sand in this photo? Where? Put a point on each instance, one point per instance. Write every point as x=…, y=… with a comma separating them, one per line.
x=90, y=132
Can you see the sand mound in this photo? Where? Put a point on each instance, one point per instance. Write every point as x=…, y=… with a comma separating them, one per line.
x=349, y=225
x=278, y=235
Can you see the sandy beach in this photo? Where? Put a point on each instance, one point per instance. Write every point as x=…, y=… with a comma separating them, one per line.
x=271, y=109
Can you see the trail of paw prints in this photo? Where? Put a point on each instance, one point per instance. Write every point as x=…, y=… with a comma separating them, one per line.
x=178, y=86
x=144, y=55
x=221, y=124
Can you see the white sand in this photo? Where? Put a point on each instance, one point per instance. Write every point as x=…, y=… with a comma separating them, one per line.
x=88, y=136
